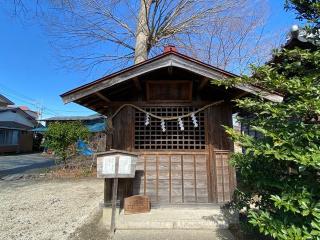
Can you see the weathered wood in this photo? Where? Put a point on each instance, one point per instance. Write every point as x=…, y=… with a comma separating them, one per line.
x=137, y=84
x=217, y=117
x=167, y=61
x=195, y=103
x=175, y=178
x=203, y=83
x=172, y=60
x=124, y=125
x=169, y=91
x=136, y=204
x=114, y=201
x=189, y=166
x=107, y=191
x=225, y=183
x=185, y=172
x=151, y=136
x=104, y=98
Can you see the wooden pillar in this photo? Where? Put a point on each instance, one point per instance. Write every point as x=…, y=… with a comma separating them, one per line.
x=107, y=191
x=114, y=204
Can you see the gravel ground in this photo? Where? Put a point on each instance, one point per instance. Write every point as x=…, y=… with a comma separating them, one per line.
x=43, y=210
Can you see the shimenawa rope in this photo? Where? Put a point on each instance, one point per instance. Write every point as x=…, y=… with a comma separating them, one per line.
x=158, y=117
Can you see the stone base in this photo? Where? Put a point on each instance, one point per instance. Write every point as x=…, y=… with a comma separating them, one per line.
x=191, y=218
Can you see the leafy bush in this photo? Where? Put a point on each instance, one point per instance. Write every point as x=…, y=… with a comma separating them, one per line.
x=61, y=137
x=279, y=172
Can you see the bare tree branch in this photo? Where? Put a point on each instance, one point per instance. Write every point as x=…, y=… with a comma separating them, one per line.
x=89, y=34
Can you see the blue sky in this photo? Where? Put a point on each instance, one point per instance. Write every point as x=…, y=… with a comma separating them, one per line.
x=30, y=76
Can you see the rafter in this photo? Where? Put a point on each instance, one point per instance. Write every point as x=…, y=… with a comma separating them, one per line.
x=104, y=98
x=203, y=83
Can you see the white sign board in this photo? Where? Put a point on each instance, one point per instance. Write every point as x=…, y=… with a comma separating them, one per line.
x=116, y=164
x=108, y=165
x=124, y=164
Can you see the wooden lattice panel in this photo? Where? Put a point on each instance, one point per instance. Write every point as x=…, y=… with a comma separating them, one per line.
x=152, y=137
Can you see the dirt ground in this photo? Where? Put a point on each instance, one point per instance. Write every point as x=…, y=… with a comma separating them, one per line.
x=66, y=210
x=49, y=209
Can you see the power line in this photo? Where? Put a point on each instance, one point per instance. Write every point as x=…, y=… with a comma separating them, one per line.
x=33, y=102
x=17, y=93
x=39, y=106
x=20, y=99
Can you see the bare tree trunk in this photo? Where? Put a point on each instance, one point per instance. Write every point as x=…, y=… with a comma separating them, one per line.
x=143, y=31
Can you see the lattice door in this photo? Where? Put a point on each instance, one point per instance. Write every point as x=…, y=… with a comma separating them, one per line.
x=152, y=137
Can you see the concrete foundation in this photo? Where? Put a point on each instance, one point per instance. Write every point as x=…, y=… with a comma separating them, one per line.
x=188, y=217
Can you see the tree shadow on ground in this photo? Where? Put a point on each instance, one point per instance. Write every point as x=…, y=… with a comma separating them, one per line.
x=92, y=230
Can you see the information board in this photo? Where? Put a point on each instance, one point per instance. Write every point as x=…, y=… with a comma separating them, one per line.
x=108, y=165
x=124, y=164
x=116, y=164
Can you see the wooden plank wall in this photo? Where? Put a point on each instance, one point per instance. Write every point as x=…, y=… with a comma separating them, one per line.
x=225, y=176
x=176, y=177
x=217, y=116
x=220, y=147
x=181, y=176
x=123, y=139
x=123, y=133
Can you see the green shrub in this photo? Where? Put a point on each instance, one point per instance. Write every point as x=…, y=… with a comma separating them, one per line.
x=61, y=137
x=279, y=172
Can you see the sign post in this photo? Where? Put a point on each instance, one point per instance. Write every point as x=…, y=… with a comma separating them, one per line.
x=115, y=164
x=114, y=202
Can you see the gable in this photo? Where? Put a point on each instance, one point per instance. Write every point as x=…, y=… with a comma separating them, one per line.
x=170, y=60
x=169, y=91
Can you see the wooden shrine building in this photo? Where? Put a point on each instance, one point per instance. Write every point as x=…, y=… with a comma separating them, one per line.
x=180, y=160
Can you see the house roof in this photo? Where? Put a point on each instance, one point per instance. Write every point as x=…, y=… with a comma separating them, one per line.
x=5, y=100
x=167, y=59
x=17, y=109
x=75, y=118
x=13, y=125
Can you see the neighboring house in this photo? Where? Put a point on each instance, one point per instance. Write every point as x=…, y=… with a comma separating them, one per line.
x=15, y=125
x=5, y=102
x=95, y=124
x=167, y=111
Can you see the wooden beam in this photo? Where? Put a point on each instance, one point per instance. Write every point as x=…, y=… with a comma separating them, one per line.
x=145, y=103
x=203, y=83
x=88, y=105
x=137, y=84
x=88, y=101
x=104, y=98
